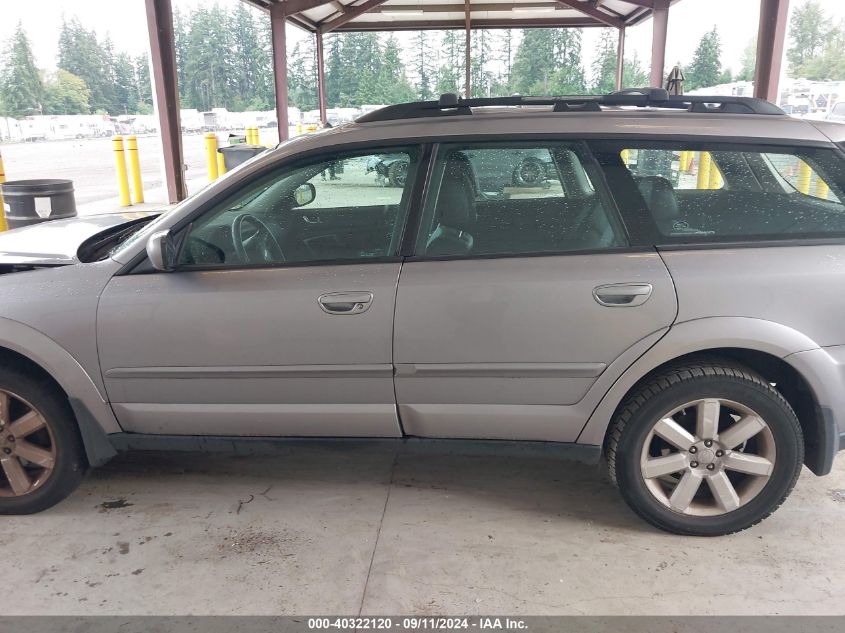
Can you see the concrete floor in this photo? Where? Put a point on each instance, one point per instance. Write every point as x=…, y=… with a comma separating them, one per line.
x=320, y=530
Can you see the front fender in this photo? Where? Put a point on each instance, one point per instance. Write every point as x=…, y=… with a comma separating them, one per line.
x=64, y=368
x=700, y=335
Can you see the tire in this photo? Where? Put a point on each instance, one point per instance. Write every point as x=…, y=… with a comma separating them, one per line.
x=531, y=172
x=58, y=436
x=397, y=173
x=636, y=448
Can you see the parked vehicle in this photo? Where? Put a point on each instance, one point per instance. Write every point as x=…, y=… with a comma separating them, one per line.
x=837, y=112
x=685, y=326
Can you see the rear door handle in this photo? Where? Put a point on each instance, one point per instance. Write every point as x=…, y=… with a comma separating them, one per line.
x=622, y=295
x=345, y=302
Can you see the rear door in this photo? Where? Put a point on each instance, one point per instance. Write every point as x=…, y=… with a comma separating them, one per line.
x=522, y=292
x=746, y=229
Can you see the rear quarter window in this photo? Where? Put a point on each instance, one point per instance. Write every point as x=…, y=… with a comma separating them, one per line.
x=718, y=192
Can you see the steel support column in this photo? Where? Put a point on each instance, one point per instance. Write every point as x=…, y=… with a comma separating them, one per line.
x=321, y=78
x=770, y=36
x=166, y=88
x=278, y=22
x=659, y=25
x=620, y=58
x=468, y=52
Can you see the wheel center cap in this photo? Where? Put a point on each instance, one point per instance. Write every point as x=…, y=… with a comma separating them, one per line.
x=705, y=456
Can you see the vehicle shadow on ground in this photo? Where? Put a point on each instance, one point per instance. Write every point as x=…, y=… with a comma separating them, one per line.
x=546, y=488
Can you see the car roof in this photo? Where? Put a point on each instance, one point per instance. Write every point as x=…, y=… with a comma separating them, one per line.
x=504, y=122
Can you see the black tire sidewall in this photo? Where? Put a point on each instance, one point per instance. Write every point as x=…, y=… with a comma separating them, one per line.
x=70, y=461
x=777, y=414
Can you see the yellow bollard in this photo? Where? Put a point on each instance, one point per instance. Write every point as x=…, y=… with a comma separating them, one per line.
x=3, y=225
x=715, y=175
x=820, y=191
x=221, y=164
x=120, y=167
x=703, y=180
x=625, y=156
x=686, y=159
x=805, y=174
x=211, y=155
x=135, y=169
x=249, y=136
x=299, y=129
x=256, y=140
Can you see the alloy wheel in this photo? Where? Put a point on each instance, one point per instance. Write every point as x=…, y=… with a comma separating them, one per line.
x=708, y=457
x=27, y=447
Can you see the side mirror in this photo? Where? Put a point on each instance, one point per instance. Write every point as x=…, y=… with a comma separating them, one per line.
x=161, y=251
x=304, y=194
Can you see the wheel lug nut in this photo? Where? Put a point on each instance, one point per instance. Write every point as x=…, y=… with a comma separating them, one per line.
x=11, y=438
x=711, y=466
x=694, y=464
x=708, y=443
x=693, y=449
x=719, y=453
x=8, y=451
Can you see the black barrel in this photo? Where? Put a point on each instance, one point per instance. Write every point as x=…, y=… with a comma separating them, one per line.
x=234, y=155
x=34, y=201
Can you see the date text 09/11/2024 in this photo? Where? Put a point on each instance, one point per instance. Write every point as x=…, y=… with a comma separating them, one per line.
x=430, y=623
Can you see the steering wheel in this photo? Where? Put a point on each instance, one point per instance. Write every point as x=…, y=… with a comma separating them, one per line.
x=257, y=247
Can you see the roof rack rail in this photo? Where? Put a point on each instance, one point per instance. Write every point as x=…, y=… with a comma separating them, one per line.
x=451, y=104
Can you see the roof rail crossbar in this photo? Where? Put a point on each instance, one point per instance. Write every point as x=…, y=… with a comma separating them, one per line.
x=450, y=104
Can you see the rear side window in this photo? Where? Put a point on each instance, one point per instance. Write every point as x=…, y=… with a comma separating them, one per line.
x=734, y=192
x=511, y=199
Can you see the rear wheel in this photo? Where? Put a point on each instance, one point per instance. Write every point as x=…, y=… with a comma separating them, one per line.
x=41, y=455
x=705, y=449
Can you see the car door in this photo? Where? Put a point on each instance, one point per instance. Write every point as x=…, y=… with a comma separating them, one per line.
x=278, y=318
x=518, y=297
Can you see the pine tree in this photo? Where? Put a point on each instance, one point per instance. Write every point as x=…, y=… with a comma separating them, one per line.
x=421, y=65
x=124, y=98
x=604, y=63
x=302, y=75
x=450, y=72
x=21, y=89
x=80, y=54
x=808, y=33
x=706, y=67
x=481, y=78
x=748, y=61
x=143, y=92
x=393, y=83
x=180, y=39
x=633, y=74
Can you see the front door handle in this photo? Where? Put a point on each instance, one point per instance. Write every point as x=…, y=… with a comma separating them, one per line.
x=622, y=295
x=345, y=302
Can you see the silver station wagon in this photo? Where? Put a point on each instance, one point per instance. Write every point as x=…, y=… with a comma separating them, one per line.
x=649, y=281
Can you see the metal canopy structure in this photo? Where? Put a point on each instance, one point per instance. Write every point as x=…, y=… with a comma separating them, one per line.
x=337, y=16
x=399, y=15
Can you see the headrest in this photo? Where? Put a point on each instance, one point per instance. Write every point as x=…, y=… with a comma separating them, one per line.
x=659, y=196
x=456, y=201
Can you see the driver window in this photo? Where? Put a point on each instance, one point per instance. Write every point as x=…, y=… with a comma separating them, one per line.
x=344, y=207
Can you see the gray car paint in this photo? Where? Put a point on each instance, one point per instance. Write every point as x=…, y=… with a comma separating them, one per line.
x=56, y=242
x=515, y=332
x=250, y=352
x=54, y=325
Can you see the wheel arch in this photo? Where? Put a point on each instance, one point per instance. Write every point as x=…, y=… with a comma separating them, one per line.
x=24, y=347
x=764, y=347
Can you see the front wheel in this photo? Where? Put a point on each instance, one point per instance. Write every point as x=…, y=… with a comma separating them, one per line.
x=41, y=455
x=705, y=449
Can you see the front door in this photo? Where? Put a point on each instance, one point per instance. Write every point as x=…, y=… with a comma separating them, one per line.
x=279, y=316
x=521, y=295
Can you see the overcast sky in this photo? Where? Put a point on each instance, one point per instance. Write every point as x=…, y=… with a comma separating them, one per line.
x=125, y=21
